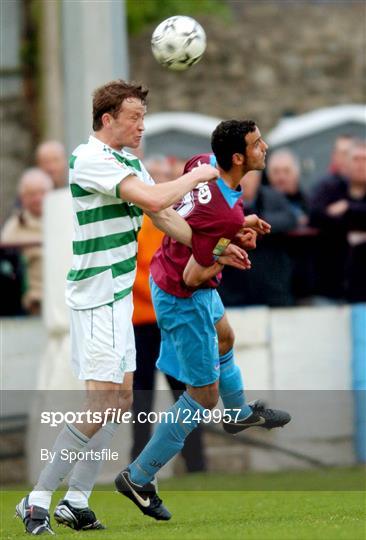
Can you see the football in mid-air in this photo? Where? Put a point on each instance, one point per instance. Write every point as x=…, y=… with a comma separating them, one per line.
x=178, y=42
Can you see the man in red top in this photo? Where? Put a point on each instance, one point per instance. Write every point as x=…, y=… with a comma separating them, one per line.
x=189, y=310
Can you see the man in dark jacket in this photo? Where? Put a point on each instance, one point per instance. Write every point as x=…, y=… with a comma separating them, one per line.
x=269, y=280
x=338, y=165
x=338, y=209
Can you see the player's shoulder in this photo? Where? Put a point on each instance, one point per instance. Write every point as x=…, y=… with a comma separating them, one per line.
x=87, y=152
x=199, y=159
x=79, y=152
x=137, y=167
x=95, y=156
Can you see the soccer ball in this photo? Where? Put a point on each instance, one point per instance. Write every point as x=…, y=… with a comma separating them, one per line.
x=178, y=43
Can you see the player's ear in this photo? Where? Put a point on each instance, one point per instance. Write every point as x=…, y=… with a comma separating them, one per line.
x=238, y=159
x=106, y=119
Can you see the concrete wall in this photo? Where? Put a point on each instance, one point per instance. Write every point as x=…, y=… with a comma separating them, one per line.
x=298, y=359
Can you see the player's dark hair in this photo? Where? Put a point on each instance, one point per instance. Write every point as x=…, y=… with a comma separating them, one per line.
x=228, y=138
x=109, y=98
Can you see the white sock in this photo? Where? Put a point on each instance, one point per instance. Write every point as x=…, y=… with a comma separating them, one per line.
x=40, y=498
x=70, y=439
x=85, y=472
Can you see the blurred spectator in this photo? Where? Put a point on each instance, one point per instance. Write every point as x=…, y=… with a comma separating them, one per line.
x=137, y=152
x=338, y=208
x=339, y=158
x=51, y=158
x=177, y=166
x=283, y=172
x=12, y=280
x=268, y=203
x=25, y=227
x=159, y=168
x=147, y=335
x=269, y=280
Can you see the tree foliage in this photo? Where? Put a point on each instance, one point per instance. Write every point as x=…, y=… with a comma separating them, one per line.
x=143, y=12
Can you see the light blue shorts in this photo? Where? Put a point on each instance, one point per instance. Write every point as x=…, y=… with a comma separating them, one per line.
x=189, y=348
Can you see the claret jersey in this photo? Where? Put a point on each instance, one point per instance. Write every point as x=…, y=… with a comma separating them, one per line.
x=215, y=213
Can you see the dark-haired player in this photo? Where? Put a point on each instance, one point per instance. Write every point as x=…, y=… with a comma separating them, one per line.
x=191, y=315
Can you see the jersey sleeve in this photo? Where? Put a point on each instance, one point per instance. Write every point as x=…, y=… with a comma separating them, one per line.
x=205, y=234
x=202, y=216
x=101, y=174
x=203, y=248
x=146, y=176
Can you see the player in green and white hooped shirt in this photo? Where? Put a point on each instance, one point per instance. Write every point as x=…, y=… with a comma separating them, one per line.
x=110, y=189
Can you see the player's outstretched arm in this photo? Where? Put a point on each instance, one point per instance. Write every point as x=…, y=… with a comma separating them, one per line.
x=159, y=196
x=257, y=224
x=194, y=274
x=172, y=224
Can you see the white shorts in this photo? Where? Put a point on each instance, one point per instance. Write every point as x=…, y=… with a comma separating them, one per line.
x=103, y=341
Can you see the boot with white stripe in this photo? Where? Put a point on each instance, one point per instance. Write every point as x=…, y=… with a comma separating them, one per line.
x=35, y=518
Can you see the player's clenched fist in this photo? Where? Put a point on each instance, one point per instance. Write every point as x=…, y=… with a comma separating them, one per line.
x=205, y=173
x=247, y=238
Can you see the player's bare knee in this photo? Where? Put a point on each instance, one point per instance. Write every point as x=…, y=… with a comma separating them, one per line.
x=126, y=400
x=226, y=341
x=211, y=399
x=206, y=396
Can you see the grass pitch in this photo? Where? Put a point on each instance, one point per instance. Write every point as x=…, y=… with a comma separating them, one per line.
x=330, y=506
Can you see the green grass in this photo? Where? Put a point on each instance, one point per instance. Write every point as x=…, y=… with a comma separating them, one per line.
x=337, y=512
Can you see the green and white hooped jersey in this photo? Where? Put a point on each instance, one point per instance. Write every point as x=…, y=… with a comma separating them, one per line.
x=105, y=227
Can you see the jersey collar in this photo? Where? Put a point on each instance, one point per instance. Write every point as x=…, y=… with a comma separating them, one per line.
x=231, y=196
x=103, y=146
